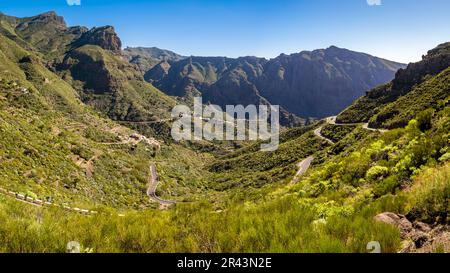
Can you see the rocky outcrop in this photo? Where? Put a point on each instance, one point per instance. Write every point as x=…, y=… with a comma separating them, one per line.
x=104, y=37
x=417, y=236
x=432, y=64
x=48, y=18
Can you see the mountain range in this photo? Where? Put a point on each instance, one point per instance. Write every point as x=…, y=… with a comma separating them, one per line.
x=307, y=84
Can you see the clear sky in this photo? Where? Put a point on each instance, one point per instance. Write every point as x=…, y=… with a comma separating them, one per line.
x=400, y=30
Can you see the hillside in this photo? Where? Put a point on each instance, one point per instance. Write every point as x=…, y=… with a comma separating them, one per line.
x=117, y=88
x=420, y=86
x=55, y=147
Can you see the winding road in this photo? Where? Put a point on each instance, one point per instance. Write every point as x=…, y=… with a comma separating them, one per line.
x=153, y=184
x=304, y=165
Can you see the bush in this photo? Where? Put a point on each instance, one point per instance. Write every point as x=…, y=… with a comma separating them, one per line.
x=424, y=119
x=377, y=172
x=388, y=185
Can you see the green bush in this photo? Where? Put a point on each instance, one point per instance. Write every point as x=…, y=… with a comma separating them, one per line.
x=424, y=119
x=377, y=172
x=388, y=185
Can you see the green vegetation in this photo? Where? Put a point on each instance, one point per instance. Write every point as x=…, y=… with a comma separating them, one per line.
x=335, y=132
x=430, y=196
x=284, y=225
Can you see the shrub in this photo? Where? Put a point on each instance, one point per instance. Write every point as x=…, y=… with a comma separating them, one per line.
x=388, y=185
x=424, y=119
x=377, y=172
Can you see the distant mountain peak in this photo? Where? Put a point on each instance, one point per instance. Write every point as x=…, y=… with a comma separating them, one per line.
x=153, y=53
x=49, y=17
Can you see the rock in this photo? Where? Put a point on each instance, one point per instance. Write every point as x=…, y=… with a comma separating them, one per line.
x=422, y=227
x=397, y=220
x=407, y=246
x=420, y=238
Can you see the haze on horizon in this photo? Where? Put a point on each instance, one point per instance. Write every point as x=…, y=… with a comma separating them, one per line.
x=398, y=30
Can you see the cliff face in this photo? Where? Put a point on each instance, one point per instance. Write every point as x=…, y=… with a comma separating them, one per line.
x=49, y=33
x=433, y=63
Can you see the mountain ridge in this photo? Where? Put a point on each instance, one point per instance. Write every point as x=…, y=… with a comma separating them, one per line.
x=351, y=77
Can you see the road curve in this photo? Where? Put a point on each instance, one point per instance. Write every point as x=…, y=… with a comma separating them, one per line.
x=302, y=168
x=332, y=121
x=153, y=184
x=318, y=133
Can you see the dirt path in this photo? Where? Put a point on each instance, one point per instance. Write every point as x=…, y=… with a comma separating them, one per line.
x=153, y=184
x=302, y=168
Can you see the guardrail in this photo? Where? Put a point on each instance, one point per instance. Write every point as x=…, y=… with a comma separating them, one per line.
x=41, y=203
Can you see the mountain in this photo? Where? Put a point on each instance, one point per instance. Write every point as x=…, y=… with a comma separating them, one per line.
x=59, y=141
x=147, y=57
x=323, y=82
x=46, y=33
x=92, y=62
x=153, y=53
x=308, y=84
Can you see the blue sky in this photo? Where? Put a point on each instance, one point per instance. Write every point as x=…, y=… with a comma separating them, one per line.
x=401, y=30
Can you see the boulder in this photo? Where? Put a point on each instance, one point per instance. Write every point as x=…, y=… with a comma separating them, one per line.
x=420, y=238
x=396, y=220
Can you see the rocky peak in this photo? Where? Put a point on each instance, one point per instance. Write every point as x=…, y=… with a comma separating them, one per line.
x=49, y=18
x=105, y=37
x=433, y=63
x=47, y=22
